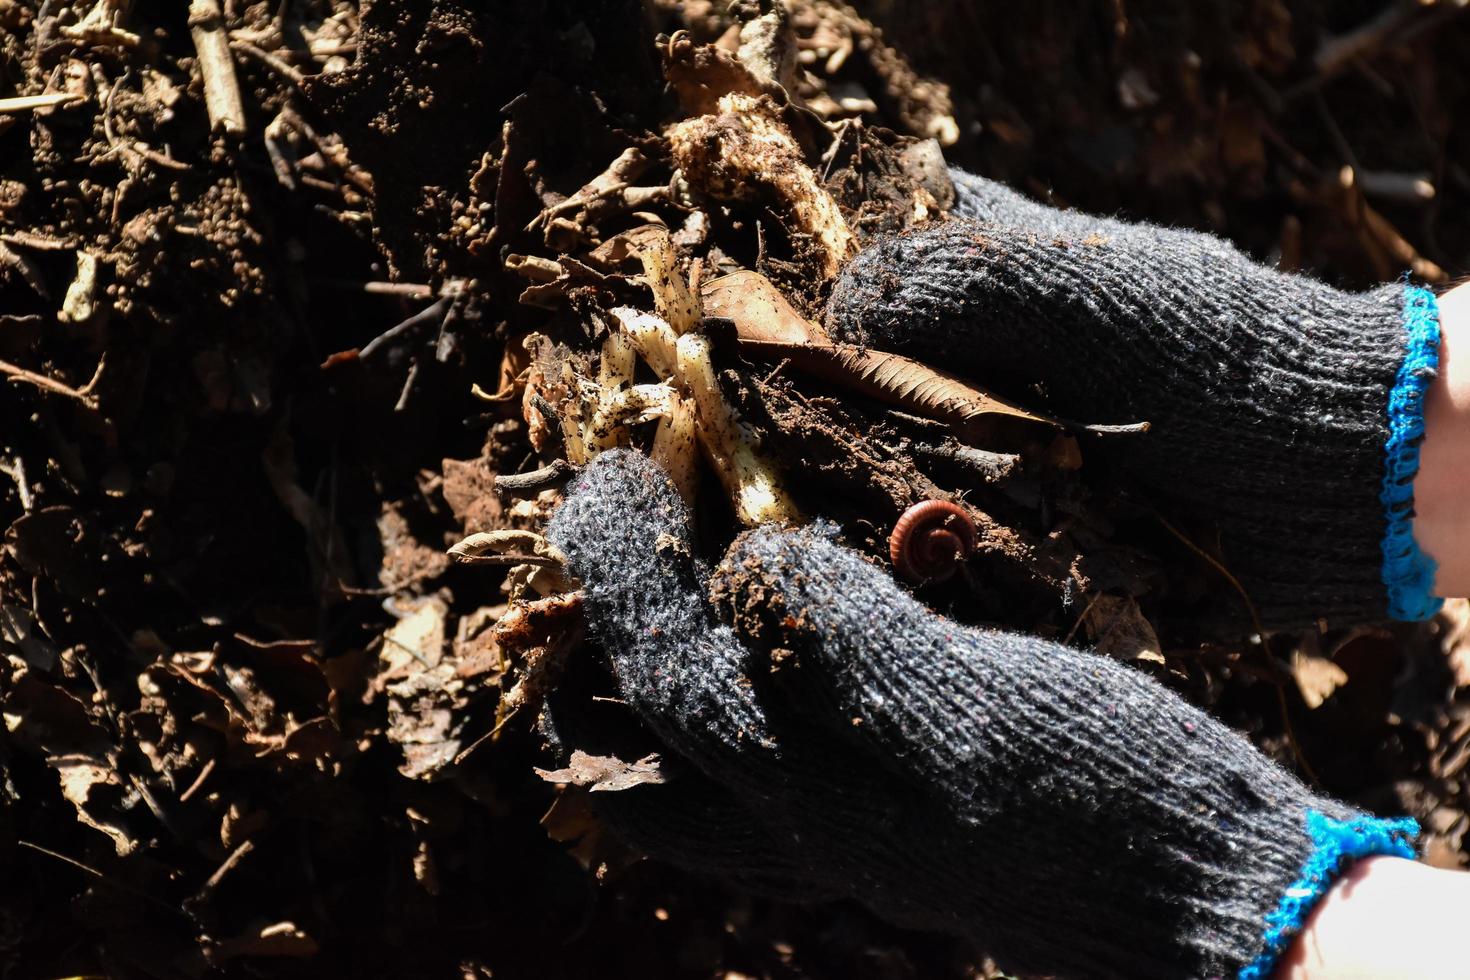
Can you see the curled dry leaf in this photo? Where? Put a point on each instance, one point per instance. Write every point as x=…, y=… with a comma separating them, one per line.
x=605, y=773
x=759, y=309
x=1454, y=623
x=770, y=328
x=81, y=775
x=902, y=382
x=506, y=547
x=1118, y=628
x=1316, y=677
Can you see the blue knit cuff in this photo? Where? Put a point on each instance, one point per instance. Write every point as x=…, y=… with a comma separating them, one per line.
x=1408, y=572
x=1335, y=845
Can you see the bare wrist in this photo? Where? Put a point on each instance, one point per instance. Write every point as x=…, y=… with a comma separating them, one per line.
x=1442, y=508
x=1388, y=919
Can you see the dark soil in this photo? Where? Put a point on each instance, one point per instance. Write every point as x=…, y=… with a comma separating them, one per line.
x=257, y=723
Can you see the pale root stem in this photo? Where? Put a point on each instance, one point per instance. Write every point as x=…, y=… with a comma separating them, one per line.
x=652, y=337
x=672, y=297
x=751, y=479
x=676, y=448
x=619, y=360
x=620, y=407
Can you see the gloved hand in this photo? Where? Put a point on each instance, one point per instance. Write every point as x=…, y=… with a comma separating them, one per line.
x=1288, y=412
x=1066, y=811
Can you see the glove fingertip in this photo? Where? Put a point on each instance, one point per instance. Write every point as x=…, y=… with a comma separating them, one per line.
x=618, y=513
x=778, y=585
x=907, y=293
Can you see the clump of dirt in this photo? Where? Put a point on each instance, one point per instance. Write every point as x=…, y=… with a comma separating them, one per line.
x=307, y=311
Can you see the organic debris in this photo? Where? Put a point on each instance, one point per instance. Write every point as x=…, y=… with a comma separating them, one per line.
x=309, y=310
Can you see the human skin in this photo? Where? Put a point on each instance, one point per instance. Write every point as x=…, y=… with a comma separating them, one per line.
x=1386, y=919
x=1389, y=918
x=1441, y=503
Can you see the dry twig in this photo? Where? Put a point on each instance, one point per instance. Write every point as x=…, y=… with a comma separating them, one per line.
x=221, y=87
x=87, y=394
x=25, y=103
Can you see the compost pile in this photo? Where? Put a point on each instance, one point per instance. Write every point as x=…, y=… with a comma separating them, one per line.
x=308, y=309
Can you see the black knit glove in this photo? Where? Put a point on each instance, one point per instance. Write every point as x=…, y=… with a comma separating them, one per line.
x=1288, y=412
x=1066, y=811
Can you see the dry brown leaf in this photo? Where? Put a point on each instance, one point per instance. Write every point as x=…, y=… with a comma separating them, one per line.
x=1454, y=625
x=426, y=696
x=407, y=563
x=570, y=820
x=899, y=381
x=426, y=718
x=477, y=649
x=80, y=775
x=506, y=547
x=605, y=773
x=759, y=310
x=771, y=329
x=1316, y=677
x=1118, y=628
x=414, y=643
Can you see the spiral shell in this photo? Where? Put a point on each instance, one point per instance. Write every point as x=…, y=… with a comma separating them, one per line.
x=931, y=540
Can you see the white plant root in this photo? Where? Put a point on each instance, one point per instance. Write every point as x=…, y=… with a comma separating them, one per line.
x=746, y=145
x=750, y=478
x=690, y=407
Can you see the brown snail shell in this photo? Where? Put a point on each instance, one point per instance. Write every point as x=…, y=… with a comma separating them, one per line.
x=931, y=540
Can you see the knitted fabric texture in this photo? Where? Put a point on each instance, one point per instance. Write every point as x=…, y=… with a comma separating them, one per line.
x=1069, y=813
x=1407, y=571
x=1268, y=393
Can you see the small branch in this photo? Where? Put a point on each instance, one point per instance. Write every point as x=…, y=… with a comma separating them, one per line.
x=989, y=466
x=272, y=62
x=17, y=472
x=39, y=242
x=230, y=863
x=425, y=316
x=531, y=483
x=217, y=66
x=536, y=561
x=86, y=394
x=25, y=103
x=408, y=290
x=1398, y=23
x=26, y=269
x=1403, y=188
x=1337, y=51
x=408, y=386
x=198, y=781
